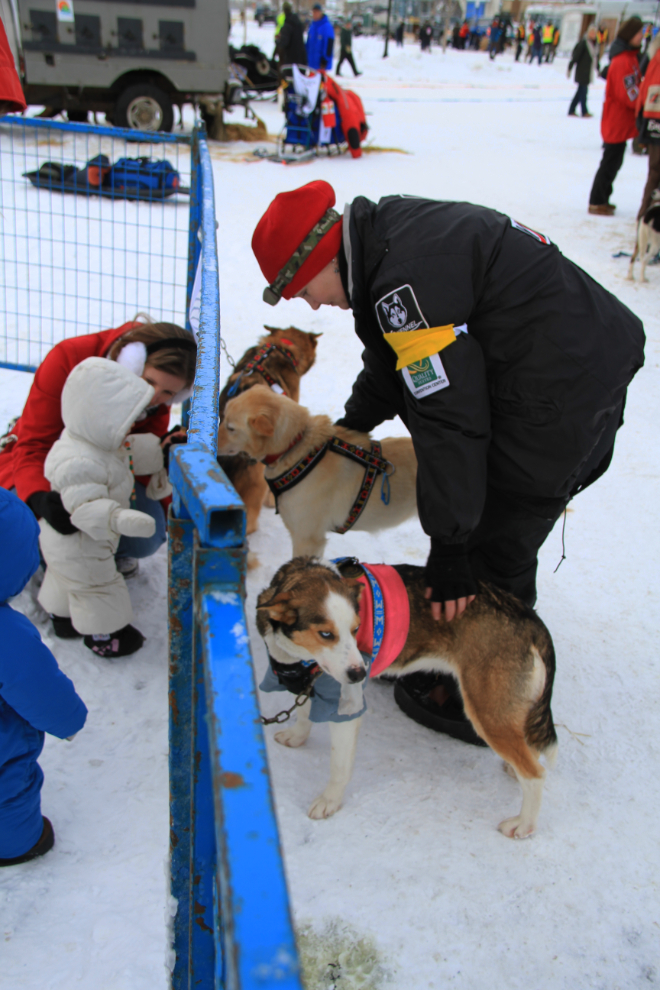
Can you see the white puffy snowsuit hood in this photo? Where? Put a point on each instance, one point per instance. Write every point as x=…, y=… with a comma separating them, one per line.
x=101, y=400
x=90, y=466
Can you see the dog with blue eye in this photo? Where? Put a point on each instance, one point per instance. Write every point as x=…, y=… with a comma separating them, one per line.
x=331, y=626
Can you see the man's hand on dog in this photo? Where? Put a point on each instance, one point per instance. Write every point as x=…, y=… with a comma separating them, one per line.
x=450, y=584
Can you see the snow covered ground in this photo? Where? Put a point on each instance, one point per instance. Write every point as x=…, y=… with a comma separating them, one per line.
x=414, y=858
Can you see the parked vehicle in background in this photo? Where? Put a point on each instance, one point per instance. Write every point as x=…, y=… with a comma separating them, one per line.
x=132, y=61
x=263, y=12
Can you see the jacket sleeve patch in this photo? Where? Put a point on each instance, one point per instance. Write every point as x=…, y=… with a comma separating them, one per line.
x=543, y=238
x=426, y=376
x=399, y=311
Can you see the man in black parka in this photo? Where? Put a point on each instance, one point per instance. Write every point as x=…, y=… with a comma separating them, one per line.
x=513, y=412
x=290, y=43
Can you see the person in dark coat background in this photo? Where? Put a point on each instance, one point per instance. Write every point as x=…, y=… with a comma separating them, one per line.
x=512, y=388
x=618, y=120
x=320, y=40
x=35, y=696
x=346, y=49
x=425, y=37
x=290, y=42
x=585, y=60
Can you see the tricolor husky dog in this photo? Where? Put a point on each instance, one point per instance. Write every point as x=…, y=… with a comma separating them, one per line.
x=313, y=613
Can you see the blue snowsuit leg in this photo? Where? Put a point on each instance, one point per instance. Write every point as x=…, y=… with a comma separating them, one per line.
x=21, y=778
x=35, y=696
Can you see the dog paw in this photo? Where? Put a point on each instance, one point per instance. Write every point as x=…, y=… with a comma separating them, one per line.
x=324, y=807
x=289, y=737
x=513, y=828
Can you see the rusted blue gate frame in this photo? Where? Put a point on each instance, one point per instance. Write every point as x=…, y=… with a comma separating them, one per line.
x=233, y=926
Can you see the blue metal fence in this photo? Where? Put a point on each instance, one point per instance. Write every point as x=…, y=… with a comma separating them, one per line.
x=233, y=929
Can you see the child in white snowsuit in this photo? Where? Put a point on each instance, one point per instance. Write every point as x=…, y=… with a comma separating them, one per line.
x=92, y=466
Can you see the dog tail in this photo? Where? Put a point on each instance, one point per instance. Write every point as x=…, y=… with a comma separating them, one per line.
x=539, y=728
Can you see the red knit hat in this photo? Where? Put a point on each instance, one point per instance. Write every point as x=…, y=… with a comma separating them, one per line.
x=301, y=219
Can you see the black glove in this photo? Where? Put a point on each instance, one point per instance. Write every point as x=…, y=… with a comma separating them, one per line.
x=171, y=437
x=448, y=572
x=48, y=506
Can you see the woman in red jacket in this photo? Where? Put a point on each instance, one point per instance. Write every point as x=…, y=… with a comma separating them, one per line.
x=162, y=353
x=648, y=115
x=618, y=120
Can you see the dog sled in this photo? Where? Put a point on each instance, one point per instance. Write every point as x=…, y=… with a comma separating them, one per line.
x=319, y=114
x=128, y=178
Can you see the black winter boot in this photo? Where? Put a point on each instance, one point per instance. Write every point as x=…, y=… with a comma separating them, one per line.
x=64, y=628
x=45, y=843
x=117, y=644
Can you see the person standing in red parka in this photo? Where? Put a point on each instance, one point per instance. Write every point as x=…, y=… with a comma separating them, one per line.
x=11, y=94
x=648, y=117
x=618, y=120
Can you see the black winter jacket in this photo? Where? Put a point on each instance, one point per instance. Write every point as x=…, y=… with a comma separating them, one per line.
x=581, y=59
x=545, y=362
x=290, y=42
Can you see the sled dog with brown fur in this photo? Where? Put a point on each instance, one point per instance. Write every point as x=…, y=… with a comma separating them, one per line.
x=278, y=361
x=272, y=427
x=499, y=651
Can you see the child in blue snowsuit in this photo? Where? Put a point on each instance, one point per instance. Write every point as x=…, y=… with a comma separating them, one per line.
x=35, y=696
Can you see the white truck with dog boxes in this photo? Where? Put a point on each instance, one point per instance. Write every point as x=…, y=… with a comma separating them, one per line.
x=133, y=60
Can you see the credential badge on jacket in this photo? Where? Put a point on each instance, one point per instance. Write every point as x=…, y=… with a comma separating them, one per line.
x=399, y=311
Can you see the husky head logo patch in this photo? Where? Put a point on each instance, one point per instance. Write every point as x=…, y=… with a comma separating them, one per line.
x=398, y=311
x=395, y=312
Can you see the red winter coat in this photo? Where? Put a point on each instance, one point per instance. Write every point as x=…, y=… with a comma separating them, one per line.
x=40, y=425
x=618, y=121
x=648, y=101
x=351, y=114
x=10, y=86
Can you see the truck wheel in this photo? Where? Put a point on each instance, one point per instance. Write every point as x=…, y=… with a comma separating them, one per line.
x=144, y=107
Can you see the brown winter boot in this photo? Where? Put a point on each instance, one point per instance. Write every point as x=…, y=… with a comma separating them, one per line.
x=602, y=209
x=40, y=848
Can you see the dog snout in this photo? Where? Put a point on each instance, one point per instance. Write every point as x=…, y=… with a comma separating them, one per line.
x=356, y=674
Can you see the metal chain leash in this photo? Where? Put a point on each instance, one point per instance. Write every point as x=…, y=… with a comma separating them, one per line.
x=223, y=345
x=285, y=715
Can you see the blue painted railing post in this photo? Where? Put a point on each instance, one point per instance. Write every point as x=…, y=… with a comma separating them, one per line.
x=236, y=907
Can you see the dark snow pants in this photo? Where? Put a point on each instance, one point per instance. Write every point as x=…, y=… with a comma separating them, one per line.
x=610, y=164
x=21, y=778
x=581, y=99
x=504, y=547
x=348, y=56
